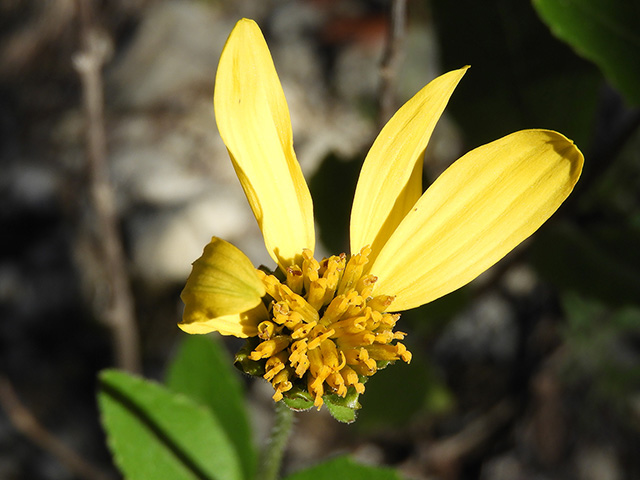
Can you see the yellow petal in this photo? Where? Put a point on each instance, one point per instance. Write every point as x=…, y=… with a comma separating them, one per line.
x=222, y=282
x=477, y=211
x=240, y=325
x=253, y=120
x=391, y=178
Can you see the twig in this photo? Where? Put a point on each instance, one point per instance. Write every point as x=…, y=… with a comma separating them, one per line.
x=24, y=421
x=391, y=61
x=120, y=312
x=445, y=455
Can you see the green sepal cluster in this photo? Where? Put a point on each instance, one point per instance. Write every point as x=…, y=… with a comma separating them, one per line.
x=342, y=409
x=255, y=368
x=298, y=400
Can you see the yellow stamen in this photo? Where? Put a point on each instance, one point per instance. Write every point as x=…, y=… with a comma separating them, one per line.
x=365, y=285
x=356, y=339
x=270, y=347
x=299, y=304
x=302, y=330
x=336, y=382
x=317, y=290
x=310, y=268
x=298, y=358
x=275, y=365
x=359, y=356
x=281, y=384
x=349, y=325
x=266, y=330
x=353, y=270
x=335, y=310
x=271, y=284
x=351, y=379
x=315, y=343
x=380, y=303
x=332, y=273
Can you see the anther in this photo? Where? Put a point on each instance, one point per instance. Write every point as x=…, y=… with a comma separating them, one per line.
x=295, y=279
x=266, y=330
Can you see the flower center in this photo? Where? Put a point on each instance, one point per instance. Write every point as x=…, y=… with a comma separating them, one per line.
x=327, y=331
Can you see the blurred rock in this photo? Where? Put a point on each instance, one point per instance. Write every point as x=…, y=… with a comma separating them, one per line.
x=597, y=462
x=487, y=331
x=505, y=467
x=169, y=240
x=175, y=49
x=520, y=280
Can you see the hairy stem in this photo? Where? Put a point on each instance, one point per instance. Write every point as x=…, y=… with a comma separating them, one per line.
x=277, y=442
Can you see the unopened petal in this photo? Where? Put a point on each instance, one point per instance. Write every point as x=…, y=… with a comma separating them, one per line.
x=391, y=178
x=240, y=325
x=475, y=213
x=253, y=120
x=222, y=282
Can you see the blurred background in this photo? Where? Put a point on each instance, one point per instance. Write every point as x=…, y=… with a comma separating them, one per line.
x=531, y=372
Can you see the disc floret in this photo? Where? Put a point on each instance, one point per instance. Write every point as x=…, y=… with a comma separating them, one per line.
x=326, y=328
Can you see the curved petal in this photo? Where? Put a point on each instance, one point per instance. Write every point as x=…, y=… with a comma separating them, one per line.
x=222, y=282
x=253, y=120
x=477, y=211
x=391, y=178
x=240, y=325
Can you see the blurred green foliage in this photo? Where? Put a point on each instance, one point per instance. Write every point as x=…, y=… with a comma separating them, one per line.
x=402, y=393
x=600, y=353
x=595, y=260
x=520, y=77
x=332, y=189
x=606, y=32
x=344, y=468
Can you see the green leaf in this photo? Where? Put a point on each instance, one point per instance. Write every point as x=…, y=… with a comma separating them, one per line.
x=345, y=468
x=154, y=433
x=607, y=32
x=203, y=371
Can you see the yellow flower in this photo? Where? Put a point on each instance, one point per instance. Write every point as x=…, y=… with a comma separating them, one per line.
x=324, y=326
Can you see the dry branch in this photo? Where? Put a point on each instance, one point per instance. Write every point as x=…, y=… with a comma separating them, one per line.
x=391, y=61
x=119, y=315
x=24, y=422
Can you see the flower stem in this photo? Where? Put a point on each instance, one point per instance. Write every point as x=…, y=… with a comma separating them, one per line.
x=274, y=449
